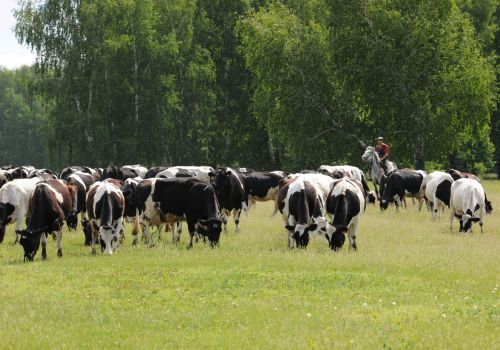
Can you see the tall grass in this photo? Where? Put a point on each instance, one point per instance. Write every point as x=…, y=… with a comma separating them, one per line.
x=411, y=284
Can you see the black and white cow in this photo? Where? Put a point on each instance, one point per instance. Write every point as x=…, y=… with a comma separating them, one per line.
x=152, y=172
x=22, y=172
x=346, y=203
x=437, y=191
x=113, y=172
x=229, y=187
x=352, y=172
x=138, y=169
x=51, y=203
x=14, y=203
x=260, y=186
x=45, y=174
x=467, y=203
x=82, y=182
x=201, y=173
x=179, y=199
x=5, y=176
x=280, y=173
x=456, y=174
x=105, y=207
x=400, y=183
x=244, y=171
x=302, y=206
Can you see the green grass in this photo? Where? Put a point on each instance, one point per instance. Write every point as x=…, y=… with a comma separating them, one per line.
x=412, y=284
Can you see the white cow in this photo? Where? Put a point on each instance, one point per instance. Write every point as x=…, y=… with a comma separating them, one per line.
x=467, y=203
x=14, y=203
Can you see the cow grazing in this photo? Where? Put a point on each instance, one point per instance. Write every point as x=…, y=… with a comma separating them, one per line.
x=180, y=199
x=351, y=172
x=346, y=203
x=230, y=190
x=437, y=191
x=14, y=203
x=455, y=174
x=467, y=203
x=51, y=203
x=105, y=207
x=400, y=183
x=260, y=186
x=302, y=206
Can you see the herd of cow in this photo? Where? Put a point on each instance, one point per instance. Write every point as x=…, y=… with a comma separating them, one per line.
x=328, y=202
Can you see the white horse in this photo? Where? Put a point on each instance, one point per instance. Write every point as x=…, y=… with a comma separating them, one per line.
x=376, y=171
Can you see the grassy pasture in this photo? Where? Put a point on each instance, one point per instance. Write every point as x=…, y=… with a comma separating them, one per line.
x=412, y=284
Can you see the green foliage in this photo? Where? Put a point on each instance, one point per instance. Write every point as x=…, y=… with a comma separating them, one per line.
x=22, y=118
x=265, y=84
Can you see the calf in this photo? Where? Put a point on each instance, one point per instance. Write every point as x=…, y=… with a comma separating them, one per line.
x=51, y=203
x=230, y=190
x=400, y=183
x=180, y=199
x=437, y=191
x=346, y=203
x=14, y=203
x=467, y=203
x=351, y=172
x=302, y=206
x=105, y=207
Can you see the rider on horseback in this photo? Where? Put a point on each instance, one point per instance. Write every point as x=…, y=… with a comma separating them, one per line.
x=383, y=152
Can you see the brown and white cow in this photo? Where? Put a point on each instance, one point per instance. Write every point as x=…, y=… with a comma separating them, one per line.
x=52, y=203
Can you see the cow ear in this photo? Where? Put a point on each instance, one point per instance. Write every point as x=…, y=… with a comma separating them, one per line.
x=290, y=228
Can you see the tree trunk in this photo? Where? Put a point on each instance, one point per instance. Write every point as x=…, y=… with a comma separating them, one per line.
x=419, y=154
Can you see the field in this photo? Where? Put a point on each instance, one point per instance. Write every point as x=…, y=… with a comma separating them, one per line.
x=411, y=284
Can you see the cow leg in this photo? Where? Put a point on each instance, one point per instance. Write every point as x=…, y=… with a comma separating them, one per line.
x=434, y=207
x=376, y=190
x=95, y=236
x=59, y=242
x=44, y=246
x=237, y=213
x=452, y=217
x=147, y=234
x=172, y=228
x=135, y=231
x=192, y=231
x=19, y=223
x=179, y=231
x=353, y=229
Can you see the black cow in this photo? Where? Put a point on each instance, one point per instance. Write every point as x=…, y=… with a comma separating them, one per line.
x=230, y=189
x=52, y=202
x=398, y=184
x=179, y=199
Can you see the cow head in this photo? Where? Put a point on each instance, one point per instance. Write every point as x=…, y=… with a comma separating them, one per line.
x=72, y=221
x=108, y=237
x=466, y=221
x=300, y=233
x=212, y=229
x=30, y=241
x=488, y=207
x=336, y=238
x=6, y=209
x=384, y=203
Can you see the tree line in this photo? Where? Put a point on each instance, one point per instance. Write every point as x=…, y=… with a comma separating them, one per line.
x=260, y=83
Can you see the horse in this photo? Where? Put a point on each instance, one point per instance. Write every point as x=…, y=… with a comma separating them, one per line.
x=376, y=171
